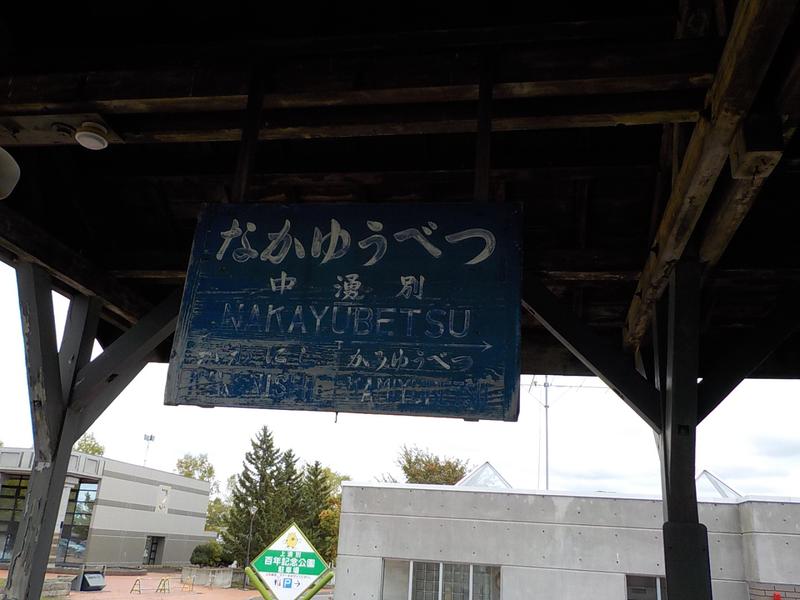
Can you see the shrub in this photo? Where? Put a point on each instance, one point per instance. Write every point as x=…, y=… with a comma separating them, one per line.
x=208, y=555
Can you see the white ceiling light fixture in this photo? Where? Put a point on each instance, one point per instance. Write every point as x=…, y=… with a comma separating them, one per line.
x=9, y=174
x=92, y=136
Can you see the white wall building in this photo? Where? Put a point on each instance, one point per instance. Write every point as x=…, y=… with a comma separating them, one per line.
x=427, y=542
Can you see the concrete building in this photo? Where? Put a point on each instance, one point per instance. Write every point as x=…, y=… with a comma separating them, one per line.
x=111, y=512
x=428, y=542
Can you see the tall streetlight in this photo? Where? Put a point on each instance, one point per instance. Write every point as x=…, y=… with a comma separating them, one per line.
x=253, y=511
x=147, y=439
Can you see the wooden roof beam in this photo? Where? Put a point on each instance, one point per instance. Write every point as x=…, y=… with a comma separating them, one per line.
x=757, y=149
x=27, y=241
x=411, y=77
x=756, y=31
x=343, y=123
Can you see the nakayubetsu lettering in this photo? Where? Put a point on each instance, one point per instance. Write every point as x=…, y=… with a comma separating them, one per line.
x=364, y=308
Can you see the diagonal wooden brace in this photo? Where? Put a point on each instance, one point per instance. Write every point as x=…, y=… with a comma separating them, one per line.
x=608, y=363
x=738, y=360
x=122, y=361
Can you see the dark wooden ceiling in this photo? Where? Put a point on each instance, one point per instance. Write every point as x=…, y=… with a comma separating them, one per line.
x=594, y=106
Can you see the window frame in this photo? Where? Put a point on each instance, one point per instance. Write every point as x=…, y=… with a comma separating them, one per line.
x=660, y=584
x=17, y=485
x=441, y=564
x=76, y=508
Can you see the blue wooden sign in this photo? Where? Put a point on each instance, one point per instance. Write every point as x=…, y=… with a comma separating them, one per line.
x=409, y=309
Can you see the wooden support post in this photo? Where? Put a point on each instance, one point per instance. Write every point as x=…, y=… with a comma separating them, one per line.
x=35, y=534
x=685, y=538
x=67, y=394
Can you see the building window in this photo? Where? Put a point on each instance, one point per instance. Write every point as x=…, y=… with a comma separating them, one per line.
x=643, y=587
x=12, y=504
x=75, y=529
x=455, y=582
x=485, y=583
x=425, y=581
x=419, y=580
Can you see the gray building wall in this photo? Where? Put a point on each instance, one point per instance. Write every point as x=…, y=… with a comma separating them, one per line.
x=127, y=508
x=125, y=514
x=556, y=545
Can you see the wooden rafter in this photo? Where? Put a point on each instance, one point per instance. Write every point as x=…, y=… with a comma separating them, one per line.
x=371, y=121
x=73, y=272
x=755, y=34
x=405, y=78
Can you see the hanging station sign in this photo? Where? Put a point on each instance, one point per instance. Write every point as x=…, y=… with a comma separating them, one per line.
x=409, y=309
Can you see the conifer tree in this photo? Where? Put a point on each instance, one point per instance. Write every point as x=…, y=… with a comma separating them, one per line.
x=255, y=487
x=281, y=493
x=316, y=494
x=289, y=491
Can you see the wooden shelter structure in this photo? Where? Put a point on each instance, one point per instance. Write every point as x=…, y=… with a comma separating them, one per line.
x=651, y=144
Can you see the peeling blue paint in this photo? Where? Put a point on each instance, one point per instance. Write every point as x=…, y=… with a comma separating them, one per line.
x=379, y=308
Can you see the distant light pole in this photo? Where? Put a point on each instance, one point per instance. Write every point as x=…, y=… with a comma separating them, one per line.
x=147, y=439
x=253, y=511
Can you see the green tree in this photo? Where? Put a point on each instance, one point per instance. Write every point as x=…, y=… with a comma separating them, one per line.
x=289, y=490
x=230, y=484
x=255, y=487
x=209, y=554
x=88, y=444
x=216, y=514
x=422, y=466
x=280, y=492
x=197, y=466
x=329, y=526
x=335, y=479
x=317, y=490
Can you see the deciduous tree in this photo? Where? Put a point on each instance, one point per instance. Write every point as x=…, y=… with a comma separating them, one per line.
x=197, y=466
x=216, y=514
x=88, y=444
x=422, y=466
x=329, y=526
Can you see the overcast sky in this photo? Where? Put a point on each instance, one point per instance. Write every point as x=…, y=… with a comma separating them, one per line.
x=752, y=441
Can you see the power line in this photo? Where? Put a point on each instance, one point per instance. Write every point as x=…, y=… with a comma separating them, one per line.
x=546, y=405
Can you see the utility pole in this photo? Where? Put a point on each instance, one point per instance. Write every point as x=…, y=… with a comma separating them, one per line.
x=546, y=434
x=547, y=385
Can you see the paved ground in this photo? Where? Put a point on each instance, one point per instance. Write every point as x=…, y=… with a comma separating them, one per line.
x=118, y=587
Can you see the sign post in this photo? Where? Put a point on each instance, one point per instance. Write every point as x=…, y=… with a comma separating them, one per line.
x=290, y=565
x=370, y=308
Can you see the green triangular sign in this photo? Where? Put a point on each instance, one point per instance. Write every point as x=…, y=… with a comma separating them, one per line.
x=290, y=565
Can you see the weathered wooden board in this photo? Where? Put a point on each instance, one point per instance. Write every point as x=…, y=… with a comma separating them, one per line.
x=381, y=308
